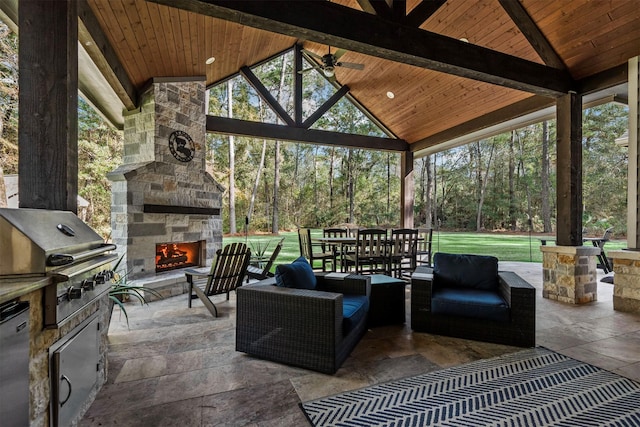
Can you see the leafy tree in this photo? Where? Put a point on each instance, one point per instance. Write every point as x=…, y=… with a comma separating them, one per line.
x=99, y=152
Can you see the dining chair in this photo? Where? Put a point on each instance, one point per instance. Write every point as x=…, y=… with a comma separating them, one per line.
x=314, y=251
x=403, y=252
x=424, y=247
x=340, y=249
x=370, y=253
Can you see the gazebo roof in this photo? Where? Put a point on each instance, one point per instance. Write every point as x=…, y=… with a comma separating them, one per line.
x=455, y=67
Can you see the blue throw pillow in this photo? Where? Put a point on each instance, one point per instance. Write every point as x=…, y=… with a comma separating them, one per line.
x=298, y=275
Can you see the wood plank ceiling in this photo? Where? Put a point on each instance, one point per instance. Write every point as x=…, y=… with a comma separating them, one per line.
x=153, y=40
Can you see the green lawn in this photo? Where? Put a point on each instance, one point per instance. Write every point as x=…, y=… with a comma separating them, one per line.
x=506, y=247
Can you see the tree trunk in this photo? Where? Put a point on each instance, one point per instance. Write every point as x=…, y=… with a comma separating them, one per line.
x=428, y=200
x=331, y=160
x=482, y=184
x=232, y=166
x=350, y=187
x=256, y=183
x=421, y=196
x=276, y=189
x=388, y=215
x=544, y=178
x=275, y=227
x=512, y=193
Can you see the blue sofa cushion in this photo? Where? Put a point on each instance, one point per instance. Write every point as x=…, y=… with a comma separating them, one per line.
x=354, y=310
x=465, y=271
x=475, y=303
x=297, y=275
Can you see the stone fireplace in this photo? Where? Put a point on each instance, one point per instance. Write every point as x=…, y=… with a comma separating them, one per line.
x=165, y=212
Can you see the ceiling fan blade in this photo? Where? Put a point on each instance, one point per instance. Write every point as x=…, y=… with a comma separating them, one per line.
x=315, y=55
x=350, y=65
x=339, y=53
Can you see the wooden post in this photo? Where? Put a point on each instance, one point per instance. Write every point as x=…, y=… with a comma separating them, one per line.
x=633, y=197
x=48, y=127
x=407, y=189
x=569, y=170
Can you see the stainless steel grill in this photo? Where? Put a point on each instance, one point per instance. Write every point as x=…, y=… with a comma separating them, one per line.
x=56, y=244
x=76, y=263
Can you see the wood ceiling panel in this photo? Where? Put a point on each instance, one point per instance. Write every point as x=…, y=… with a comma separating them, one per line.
x=589, y=35
x=158, y=41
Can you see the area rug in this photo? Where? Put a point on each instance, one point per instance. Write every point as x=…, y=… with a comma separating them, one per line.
x=534, y=387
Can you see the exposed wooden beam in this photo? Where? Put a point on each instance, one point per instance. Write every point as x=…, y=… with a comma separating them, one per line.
x=530, y=30
x=603, y=80
x=376, y=7
x=324, y=22
x=399, y=10
x=337, y=96
x=228, y=126
x=422, y=12
x=526, y=106
x=97, y=45
x=266, y=95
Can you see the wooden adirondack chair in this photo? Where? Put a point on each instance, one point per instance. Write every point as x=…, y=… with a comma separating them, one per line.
x=227, y=272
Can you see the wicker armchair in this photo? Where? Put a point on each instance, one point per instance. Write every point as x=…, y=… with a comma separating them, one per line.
x=299, y=327
x=517, y=329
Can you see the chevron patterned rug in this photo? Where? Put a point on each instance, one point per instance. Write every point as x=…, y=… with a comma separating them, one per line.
x=535, y=387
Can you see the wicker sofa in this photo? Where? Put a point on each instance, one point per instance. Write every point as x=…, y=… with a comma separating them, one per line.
x=465, y=296
x=300, y=327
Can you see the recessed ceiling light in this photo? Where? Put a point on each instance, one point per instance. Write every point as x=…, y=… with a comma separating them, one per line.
x=391, y=95
x=464, y=39
x=210, y=60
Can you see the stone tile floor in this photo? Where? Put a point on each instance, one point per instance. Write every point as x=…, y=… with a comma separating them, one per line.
x=178, y=366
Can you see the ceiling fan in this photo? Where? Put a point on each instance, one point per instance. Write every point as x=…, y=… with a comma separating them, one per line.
x=330, y=61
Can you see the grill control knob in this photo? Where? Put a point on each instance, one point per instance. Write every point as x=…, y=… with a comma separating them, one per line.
x=100, y=278
x=88, y=284
x=74, y=293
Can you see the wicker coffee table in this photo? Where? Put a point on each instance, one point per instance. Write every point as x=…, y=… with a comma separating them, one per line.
x=387, y=302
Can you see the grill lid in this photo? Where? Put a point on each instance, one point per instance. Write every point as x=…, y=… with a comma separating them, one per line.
x=36, y=241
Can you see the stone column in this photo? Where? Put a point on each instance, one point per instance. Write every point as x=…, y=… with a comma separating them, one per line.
x=569, y=273
x=626, y=263
x=626, y=280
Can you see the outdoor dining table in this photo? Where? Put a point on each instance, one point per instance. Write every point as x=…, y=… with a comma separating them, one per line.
x=341, y=242
x=345, y=242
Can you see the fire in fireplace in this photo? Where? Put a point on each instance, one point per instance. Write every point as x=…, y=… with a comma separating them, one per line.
x=171, y=256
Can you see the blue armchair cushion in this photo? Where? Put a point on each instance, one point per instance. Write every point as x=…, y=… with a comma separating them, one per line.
x=297, y=275
x=354, y=309
x=465, y=271
x=475, y=303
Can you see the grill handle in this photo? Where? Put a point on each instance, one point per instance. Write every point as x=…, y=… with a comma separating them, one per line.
x=57, y=260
